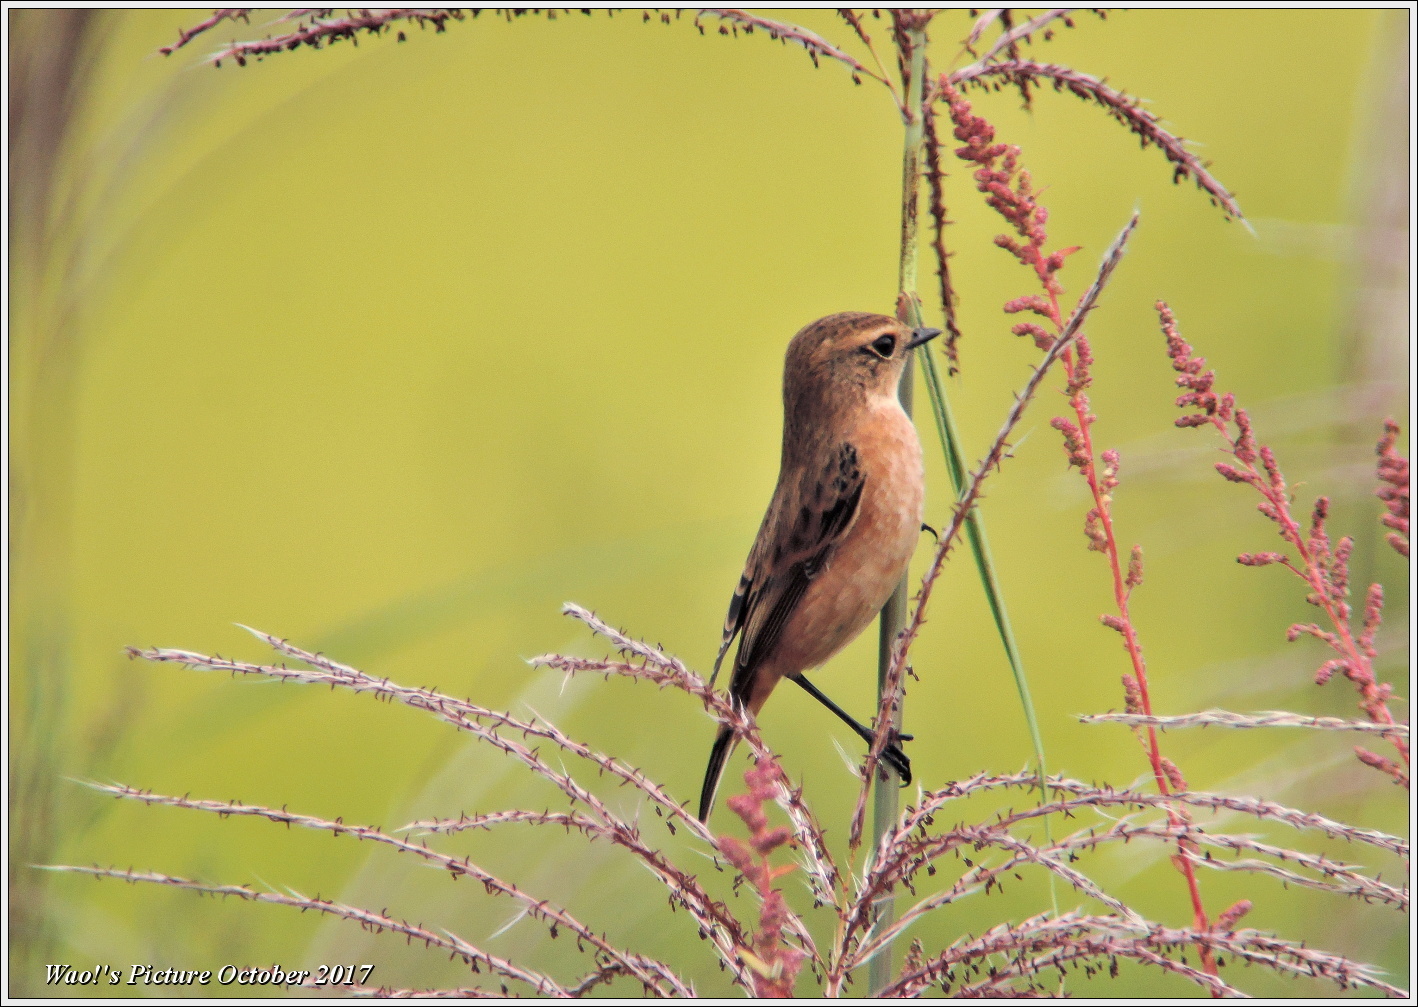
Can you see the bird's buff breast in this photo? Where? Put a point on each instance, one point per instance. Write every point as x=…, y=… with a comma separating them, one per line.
x=866, y=566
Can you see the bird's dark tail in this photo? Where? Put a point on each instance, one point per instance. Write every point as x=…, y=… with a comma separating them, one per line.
x=724, y=746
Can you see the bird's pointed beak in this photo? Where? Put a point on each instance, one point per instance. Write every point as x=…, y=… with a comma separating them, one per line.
x=921, y=336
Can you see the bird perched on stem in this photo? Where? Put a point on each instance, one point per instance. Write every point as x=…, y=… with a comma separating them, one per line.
x=842, y=524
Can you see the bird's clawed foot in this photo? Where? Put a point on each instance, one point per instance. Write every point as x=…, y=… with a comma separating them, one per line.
x=894, y=757
x=934, y=534
x=892, y=754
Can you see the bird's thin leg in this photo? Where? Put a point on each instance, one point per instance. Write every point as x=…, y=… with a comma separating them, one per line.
x=863, y=732
x=893, y=754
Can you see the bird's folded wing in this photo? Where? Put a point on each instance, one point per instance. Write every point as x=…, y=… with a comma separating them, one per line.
x=804, y=524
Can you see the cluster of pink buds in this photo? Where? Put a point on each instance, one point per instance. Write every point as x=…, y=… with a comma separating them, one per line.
x=1321, y=563
x=1010, y=192
x=1039, y=306
x=1393, y=488
x=1074, y=447
x=774, y=964
x=1193, y=378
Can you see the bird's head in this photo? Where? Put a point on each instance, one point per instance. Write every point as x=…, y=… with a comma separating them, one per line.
x=841, y=359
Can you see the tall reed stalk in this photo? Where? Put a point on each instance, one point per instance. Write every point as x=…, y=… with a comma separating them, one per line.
x=910, y=32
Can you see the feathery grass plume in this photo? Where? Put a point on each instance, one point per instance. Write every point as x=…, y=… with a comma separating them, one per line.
x=1224, y=718
x=1038, y=945
x=667, y=671
x=855, y=21
x=732, y=21
x=316, y=29
x=1321, y=564
x=1122, y=107
x=1013, y=34
x=185, y=35
x=767, y=958
x=375, y=922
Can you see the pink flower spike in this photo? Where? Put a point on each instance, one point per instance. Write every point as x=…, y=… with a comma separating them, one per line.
x=1393, y=488
x=1134, y=577
x=1260, y=558
x=1230, y=917
x=1326, y=671
x=781, y=962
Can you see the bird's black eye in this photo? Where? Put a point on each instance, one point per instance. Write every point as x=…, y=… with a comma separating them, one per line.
x=884, y=345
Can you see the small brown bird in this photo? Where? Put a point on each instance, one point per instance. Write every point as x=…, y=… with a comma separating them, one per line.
x=843, y=522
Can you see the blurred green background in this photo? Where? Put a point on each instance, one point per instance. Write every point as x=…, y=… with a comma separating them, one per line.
x=392, y=349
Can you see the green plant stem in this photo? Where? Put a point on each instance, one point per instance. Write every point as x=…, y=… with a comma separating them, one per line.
x=885, y=797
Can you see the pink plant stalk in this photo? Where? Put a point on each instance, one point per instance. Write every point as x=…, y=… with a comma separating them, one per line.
x=774, y=964
x=1323, y=565
x=950, y=535
x=1009, y=191
x=1123, y=108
